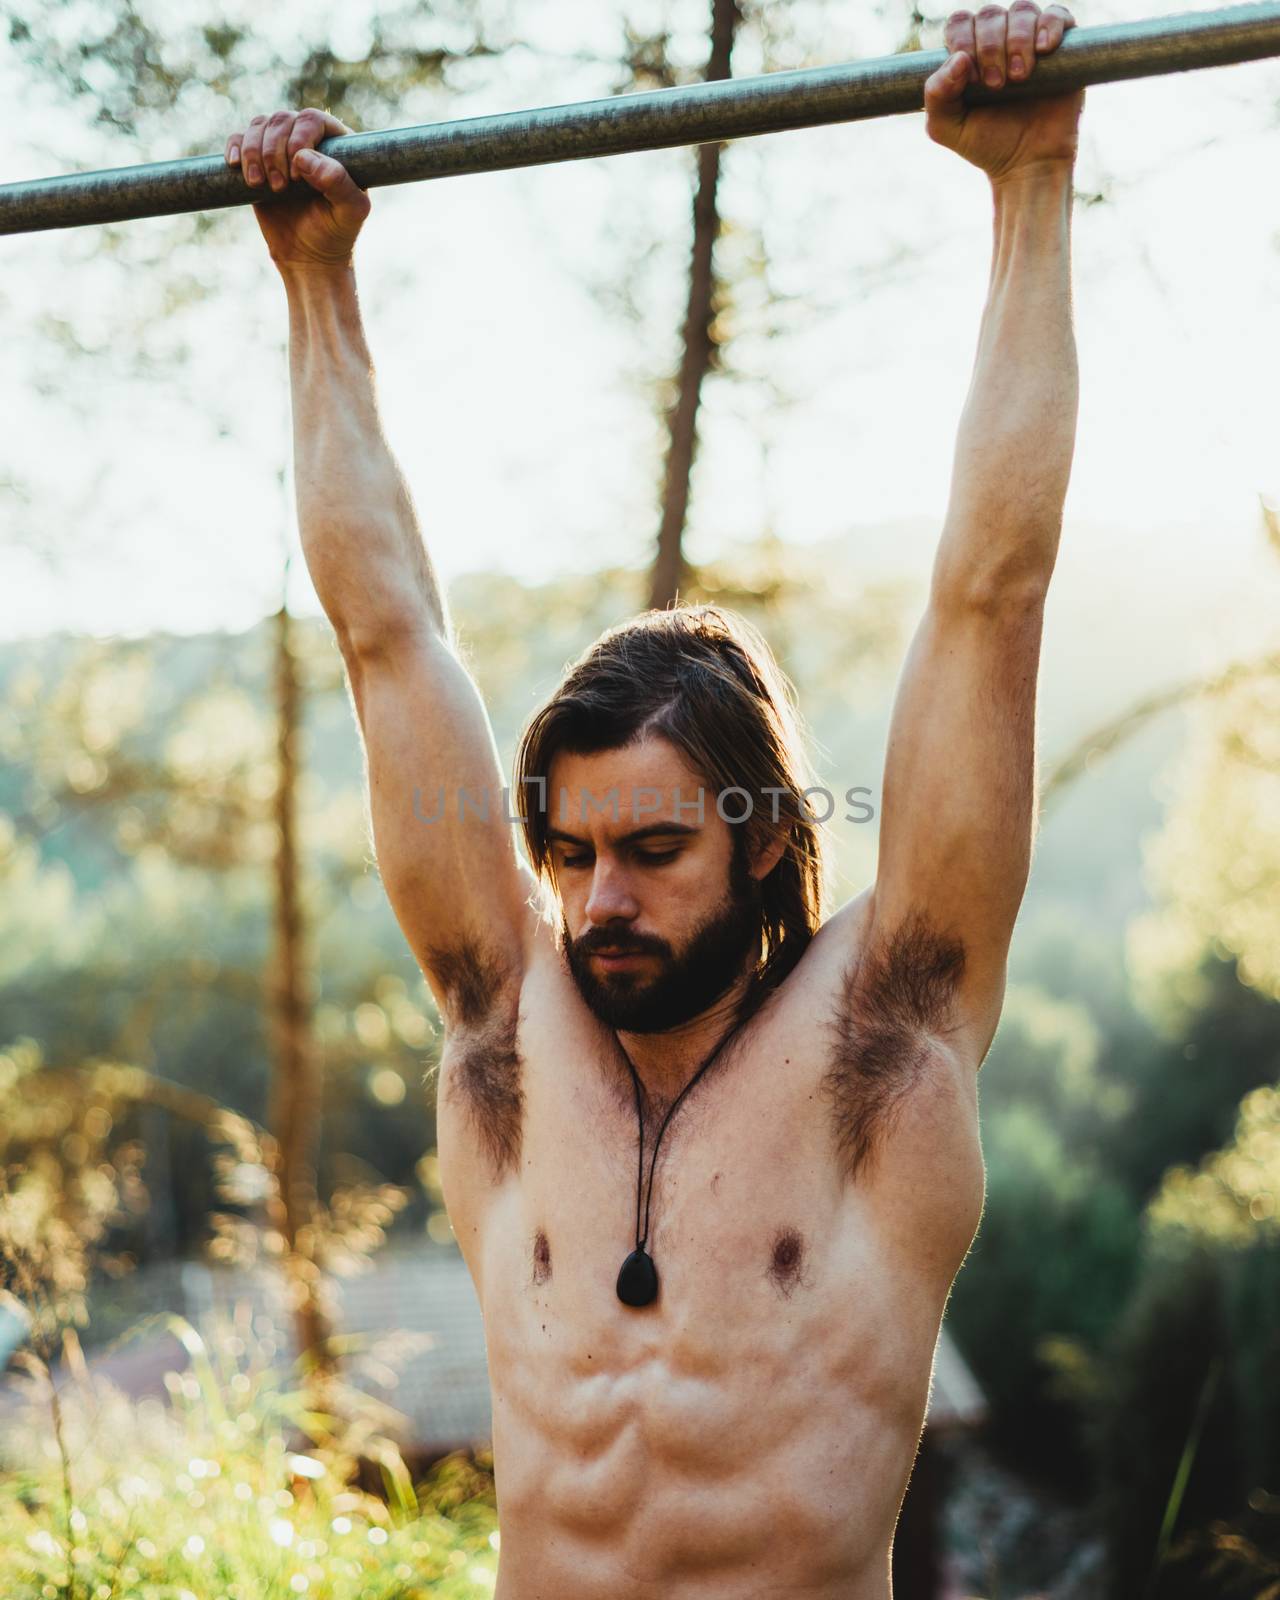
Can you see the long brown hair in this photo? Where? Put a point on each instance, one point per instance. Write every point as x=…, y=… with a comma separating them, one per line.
x=704, y=679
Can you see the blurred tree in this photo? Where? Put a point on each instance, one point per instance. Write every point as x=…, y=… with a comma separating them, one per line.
x=296, y=1069
x=1185, y=1405
x=1182, y=1397
x=1184, y=1081
x=729, y=291
x=1054, y=1261
x=1216, y=864
x=154, y=770
x=1167, y=1420
x=149, y=87
x=697, y=341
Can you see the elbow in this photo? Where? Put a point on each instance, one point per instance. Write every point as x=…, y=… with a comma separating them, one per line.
x=991, y=594
x=365, y=643
x=1015, y=582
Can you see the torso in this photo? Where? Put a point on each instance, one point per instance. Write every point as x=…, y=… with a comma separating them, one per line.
x=750, y=1433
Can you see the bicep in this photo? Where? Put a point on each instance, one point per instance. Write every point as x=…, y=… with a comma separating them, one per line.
x=959, y=793
x=446, y=851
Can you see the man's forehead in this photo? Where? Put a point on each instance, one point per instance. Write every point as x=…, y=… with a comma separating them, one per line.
x=627, y=809
x=644, y=764
x=640, y=784
x=650, y=759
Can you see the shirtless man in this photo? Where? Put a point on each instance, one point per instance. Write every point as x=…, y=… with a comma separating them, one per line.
x=735, y=1414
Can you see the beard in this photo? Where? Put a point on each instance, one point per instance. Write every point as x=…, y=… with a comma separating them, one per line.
x=686, y=984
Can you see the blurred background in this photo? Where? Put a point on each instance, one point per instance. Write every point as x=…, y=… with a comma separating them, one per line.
x=222, y=1242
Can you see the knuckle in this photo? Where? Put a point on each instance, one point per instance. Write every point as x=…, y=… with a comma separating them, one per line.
x=989, y=11
x=256, y=122
x=278, y=119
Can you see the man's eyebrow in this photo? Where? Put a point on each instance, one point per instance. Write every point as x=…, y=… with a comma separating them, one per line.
x=651, y=830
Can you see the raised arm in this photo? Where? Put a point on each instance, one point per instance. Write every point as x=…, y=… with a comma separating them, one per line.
x=456, y=883
x=959, y=783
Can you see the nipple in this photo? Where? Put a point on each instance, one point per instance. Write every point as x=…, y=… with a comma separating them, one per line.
x=541, y=1258
x=786, y=1260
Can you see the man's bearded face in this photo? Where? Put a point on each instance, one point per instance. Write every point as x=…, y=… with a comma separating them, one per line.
x=673, y=986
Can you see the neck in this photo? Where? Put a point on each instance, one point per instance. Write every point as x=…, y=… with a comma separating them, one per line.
x=665, y=1062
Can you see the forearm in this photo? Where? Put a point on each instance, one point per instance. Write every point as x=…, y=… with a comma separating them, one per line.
x=359, y=531
x=1017, y=432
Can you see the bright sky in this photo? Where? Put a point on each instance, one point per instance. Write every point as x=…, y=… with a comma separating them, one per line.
x=508, y=391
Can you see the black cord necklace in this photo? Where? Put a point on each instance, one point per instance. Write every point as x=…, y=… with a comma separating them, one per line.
x=638, y=1278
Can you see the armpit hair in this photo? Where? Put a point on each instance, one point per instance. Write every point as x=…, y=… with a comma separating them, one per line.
x=481, y=1016
x=895, y=998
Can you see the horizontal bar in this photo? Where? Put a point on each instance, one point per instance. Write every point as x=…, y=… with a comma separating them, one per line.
x=699, y=113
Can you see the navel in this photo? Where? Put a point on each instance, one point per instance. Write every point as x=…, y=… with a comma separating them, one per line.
x=541, y=1257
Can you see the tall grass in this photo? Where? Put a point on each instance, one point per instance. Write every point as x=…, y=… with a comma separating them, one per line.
x=233, y=1490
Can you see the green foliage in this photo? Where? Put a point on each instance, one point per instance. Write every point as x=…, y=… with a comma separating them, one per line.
x=1187, y=1086
x=1234, y=1197
x=1184, y=1404
x=1218, y=857
x=135, y=917
x=1053, y=1261
x=221, y=1493
x=1055, y=1256
x=1167, y=1417
x=1086, y=1105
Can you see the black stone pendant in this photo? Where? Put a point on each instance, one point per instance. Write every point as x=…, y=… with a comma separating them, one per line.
x=638, y=1280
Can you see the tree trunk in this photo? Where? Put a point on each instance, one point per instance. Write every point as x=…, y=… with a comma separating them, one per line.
x=296, y=1087
x=696, y=355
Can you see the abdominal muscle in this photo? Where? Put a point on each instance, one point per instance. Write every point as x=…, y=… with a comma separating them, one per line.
x=736, y=1439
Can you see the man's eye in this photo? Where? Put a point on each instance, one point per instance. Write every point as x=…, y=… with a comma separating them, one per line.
x=575, y=861
x=656, y=858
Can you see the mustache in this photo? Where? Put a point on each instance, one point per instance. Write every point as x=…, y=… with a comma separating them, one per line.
x=625, y=944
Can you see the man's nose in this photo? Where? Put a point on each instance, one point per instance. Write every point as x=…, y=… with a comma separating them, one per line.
x=611, y=898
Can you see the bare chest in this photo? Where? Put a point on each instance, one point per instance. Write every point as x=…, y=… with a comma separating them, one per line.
x=735, y=1196
x=761, y=1244
x=745, y=1201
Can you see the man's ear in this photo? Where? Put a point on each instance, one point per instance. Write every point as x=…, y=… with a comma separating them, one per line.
x=766, y=853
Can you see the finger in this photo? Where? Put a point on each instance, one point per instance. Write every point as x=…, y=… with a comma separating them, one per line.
x=989, y=26
x=944, y=93
x=231, y=153
x=309, y=128
x=959, y=35
x=1054, y=22
x=331, y=179
x=275, y=145
x=1021, y=39
x=251, y=150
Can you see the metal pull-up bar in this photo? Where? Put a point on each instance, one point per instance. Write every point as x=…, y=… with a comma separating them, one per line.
x=700, y=113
